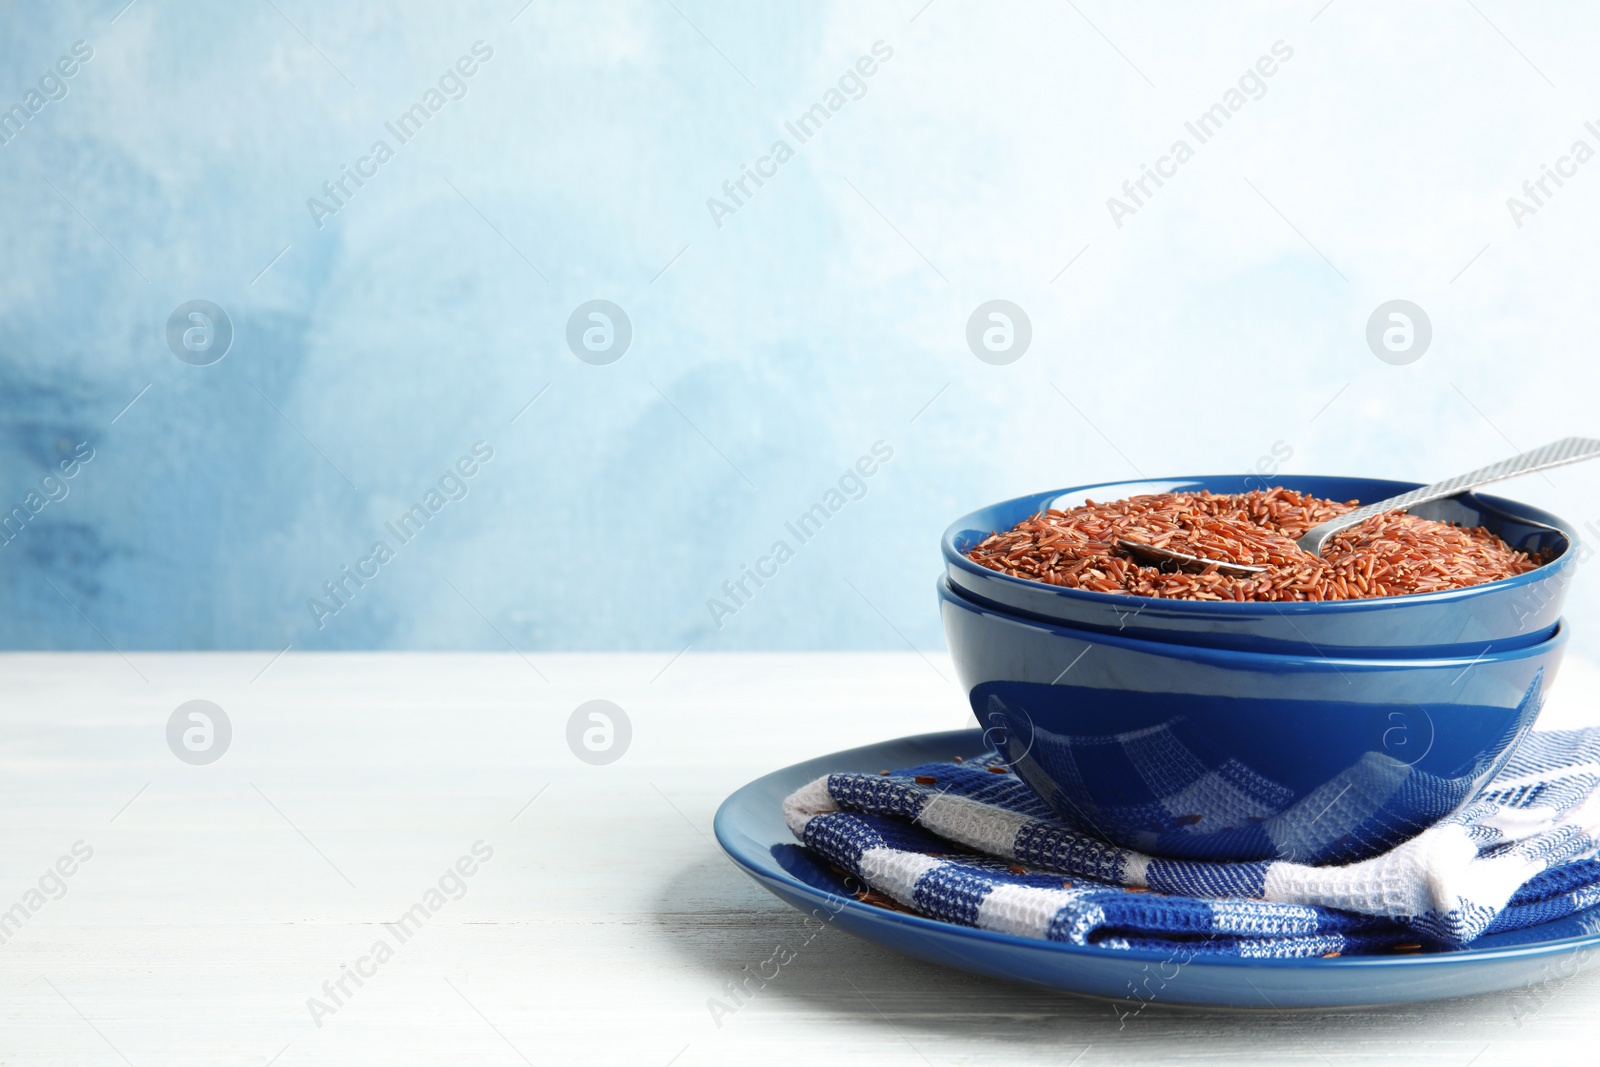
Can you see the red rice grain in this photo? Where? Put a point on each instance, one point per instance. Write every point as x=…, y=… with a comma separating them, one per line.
x=1393, y=554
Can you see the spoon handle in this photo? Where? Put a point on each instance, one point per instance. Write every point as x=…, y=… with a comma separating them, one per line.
x=1555, y=454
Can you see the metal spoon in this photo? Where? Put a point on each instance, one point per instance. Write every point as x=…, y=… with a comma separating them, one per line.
x=1558, y=453
x=1183, y=561
x=1567, y=450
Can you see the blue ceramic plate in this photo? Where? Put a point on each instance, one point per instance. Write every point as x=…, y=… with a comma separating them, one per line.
x=751, y=829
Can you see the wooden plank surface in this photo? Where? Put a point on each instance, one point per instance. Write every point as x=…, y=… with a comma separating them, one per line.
x=218, y=899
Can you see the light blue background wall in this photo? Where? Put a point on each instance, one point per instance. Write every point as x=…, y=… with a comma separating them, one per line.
x=827, y=314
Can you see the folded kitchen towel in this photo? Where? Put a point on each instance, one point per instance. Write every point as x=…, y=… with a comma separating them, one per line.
x=961, y=843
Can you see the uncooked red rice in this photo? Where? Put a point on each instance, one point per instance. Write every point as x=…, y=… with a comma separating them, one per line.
x=1387, y=555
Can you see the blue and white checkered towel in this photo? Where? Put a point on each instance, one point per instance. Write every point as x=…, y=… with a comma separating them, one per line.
x=958, y=842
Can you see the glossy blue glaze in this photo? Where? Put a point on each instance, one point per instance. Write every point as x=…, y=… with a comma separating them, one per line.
x=750, y=828
x=1512, y=613
x=1185, y=751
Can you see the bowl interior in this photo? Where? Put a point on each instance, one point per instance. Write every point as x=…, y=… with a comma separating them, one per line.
x=1522, y=526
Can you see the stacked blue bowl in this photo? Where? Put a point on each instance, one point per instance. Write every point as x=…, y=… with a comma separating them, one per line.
x=1315, y=732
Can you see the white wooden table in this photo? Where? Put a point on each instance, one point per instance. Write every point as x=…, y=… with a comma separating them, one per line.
x=218, y=899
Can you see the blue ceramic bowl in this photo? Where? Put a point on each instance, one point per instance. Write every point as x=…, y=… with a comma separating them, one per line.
x=1185, y=751
x=1513, y=613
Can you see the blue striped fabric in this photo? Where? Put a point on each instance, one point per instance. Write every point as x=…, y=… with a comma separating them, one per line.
x=960, y=843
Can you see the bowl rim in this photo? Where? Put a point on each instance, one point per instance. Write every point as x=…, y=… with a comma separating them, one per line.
x=955, y=558
x=1232, y=657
